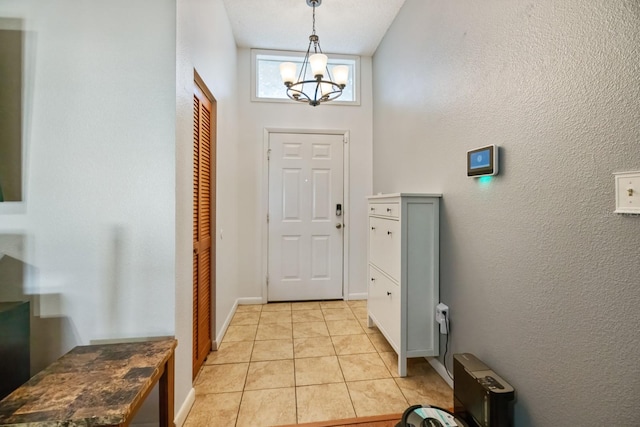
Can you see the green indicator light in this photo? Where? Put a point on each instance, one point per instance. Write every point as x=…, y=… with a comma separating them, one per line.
x=484, y=179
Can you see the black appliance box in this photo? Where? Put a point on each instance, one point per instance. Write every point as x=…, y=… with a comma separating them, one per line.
x=481, y=397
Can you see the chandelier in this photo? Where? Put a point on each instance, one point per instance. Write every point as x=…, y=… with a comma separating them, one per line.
x=322, y=87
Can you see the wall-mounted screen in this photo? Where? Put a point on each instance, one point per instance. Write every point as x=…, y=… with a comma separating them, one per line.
x=482, y=161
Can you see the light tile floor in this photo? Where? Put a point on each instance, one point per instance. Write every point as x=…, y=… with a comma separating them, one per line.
x=286, y=363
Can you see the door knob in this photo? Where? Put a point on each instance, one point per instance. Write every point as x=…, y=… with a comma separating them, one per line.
x=338, y=226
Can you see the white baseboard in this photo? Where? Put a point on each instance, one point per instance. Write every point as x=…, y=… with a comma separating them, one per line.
x=441, y=370
x=226, y=323
x=249, y=301
x=352, y=297
x=181, y=416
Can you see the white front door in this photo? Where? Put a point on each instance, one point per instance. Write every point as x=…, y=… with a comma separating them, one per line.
x=305, y=228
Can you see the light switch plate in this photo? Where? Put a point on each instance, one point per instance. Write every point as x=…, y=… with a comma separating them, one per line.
x=627, y=192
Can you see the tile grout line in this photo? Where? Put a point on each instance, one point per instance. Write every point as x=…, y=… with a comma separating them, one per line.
x=295, y=384
x=353, y=406
x=245, y=379
x=244, y=384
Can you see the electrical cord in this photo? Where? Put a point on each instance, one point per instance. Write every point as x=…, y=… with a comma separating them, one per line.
x=446, y=346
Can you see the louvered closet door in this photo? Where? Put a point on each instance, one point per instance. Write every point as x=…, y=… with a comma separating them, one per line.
x=203, y=165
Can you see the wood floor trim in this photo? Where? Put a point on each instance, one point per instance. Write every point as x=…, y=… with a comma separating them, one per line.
x=373, y=421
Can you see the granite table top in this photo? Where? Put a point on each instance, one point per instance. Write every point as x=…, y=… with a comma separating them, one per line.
x=94, y=385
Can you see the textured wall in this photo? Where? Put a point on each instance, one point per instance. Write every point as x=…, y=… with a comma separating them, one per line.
x=543, y=280
x=98, y=213
x=97, y=220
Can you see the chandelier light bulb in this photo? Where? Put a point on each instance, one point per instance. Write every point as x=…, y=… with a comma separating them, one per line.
x=326, y=88
x=288, y=72
x=318, y=63
x=341, y=75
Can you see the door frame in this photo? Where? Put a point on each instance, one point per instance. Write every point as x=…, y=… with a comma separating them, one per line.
x=345, y=203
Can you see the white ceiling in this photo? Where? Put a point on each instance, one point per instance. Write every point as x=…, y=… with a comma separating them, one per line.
x=352, y=27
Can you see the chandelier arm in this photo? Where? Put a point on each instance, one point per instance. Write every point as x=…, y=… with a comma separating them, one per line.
x=316, y=91
x=297, y=95
x=296, y=92
x=305, y=63
x=336, y=91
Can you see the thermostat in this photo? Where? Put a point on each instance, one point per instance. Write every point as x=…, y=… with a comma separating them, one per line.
x=483, y=161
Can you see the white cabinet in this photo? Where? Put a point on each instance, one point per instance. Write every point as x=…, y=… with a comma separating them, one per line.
x=404, y=272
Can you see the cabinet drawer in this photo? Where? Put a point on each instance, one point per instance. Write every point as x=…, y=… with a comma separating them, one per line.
x=385, y=209
x=384, y=245
x=384, y=305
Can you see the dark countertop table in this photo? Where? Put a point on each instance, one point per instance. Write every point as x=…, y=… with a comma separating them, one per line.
x=95, y=385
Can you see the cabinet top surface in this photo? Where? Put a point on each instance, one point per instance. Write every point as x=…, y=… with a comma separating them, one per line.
x=389, y=195
x=94, y=385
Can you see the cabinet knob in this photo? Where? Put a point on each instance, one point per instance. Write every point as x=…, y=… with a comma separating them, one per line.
x=373, y=228
x=373, y=279
x=388, y=293
x=372, y=209
x=389, y=210
x=389, y=233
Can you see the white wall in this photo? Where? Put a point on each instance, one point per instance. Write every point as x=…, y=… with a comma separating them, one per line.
x=255, y=117
x=96, y=228
x=105, y=229
x=205, y=42
x=540, y=275
x=99, y=124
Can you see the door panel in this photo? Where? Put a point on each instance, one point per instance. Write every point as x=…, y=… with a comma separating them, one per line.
x=203, y=223
x=320, y=257
x=291, y=194
x=290, y=258
x=305, y=246
x=384, y=245
x=384, y=305
x=321, y=179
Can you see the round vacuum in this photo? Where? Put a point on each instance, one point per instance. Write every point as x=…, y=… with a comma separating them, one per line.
x=429, y=416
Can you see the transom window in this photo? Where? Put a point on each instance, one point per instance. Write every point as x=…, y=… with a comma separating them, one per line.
x=267, y=84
